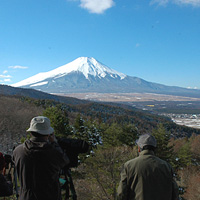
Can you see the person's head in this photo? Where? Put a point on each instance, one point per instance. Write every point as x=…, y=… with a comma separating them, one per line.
x=2, y=161
x=146, y=142
x=40, y=126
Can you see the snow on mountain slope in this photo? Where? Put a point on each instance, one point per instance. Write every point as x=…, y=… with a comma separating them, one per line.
x=87, y=66
x=86, y=75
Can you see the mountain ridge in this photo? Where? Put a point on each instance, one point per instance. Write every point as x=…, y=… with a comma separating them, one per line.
x=89, y=75
x=6, y=90
x=86, y=65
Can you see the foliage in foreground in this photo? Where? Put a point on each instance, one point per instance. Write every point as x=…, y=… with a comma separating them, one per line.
x=114, y=144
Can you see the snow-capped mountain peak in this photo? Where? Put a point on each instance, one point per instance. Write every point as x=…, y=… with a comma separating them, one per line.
x=93, y=67
x=87, y=75
x=87, y=66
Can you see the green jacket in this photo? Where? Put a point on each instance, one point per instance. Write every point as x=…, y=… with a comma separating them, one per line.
x=38, y=164
x=147, y=178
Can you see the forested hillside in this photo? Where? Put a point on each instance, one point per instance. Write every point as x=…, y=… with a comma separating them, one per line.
x=16, y=113
x=15, y=117
x=107, y=113
x=18, y=92
x=111, y=132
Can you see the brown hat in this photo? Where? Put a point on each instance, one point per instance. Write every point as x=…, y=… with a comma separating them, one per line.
x=146, y=139
x=41, y=125
x=2, y=161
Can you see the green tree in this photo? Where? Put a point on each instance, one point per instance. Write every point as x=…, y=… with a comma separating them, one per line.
x=185, y=155
x=118, y=134
x=163, y=149
x=184, y=152
x=80, y=130
x=129, y=134
x=87, y=130
x=59, y=120
x=111, y=135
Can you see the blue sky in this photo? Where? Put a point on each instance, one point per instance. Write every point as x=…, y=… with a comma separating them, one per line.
x=157, y=40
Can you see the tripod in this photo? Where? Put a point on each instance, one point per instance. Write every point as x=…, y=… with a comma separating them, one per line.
x=68, y=185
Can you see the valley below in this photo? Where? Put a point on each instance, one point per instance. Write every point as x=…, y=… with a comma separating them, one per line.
x=181, y=110
x=127, y=97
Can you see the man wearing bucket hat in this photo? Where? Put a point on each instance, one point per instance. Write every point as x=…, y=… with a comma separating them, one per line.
x=38, y=162
x=147, y=177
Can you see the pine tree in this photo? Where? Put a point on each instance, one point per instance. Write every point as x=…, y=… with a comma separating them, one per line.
x=118, y=135
x=129, y=134
x=185, y=155
x=111, y=135
x=59, y=120
x=87, y=130
x=163, y=149
x=80, y=130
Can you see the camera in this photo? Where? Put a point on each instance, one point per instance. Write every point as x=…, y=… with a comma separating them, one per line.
x=72, y=148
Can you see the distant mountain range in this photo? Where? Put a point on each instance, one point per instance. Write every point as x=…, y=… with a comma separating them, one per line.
x=85, y=75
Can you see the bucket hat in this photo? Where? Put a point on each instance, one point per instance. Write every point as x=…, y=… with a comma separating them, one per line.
x=146, y=139
x=41, y=125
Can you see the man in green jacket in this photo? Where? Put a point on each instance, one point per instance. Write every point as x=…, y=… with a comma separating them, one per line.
x=147, y=177
x=38, y=162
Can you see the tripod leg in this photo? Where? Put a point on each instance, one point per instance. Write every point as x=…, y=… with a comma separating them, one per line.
x=66, y=187
x=72, y=189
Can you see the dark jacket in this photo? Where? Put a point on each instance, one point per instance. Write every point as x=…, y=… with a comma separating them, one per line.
x=38, y=164
x=147, y=178
x=6, y=187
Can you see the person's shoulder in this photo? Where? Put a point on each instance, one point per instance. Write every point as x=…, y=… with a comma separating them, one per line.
x=132, y=161
x=163, y=162
x=16, y=148
x=160, y=160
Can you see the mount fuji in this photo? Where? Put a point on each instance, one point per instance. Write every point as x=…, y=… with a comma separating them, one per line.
x=86, y=74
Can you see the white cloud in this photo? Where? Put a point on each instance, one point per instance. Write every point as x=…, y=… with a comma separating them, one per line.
x=97, y=6
x=5, y=71
x=4, y=76
x=195, y=3
x=17, y=67
x=7, y=80
x=159, y=2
